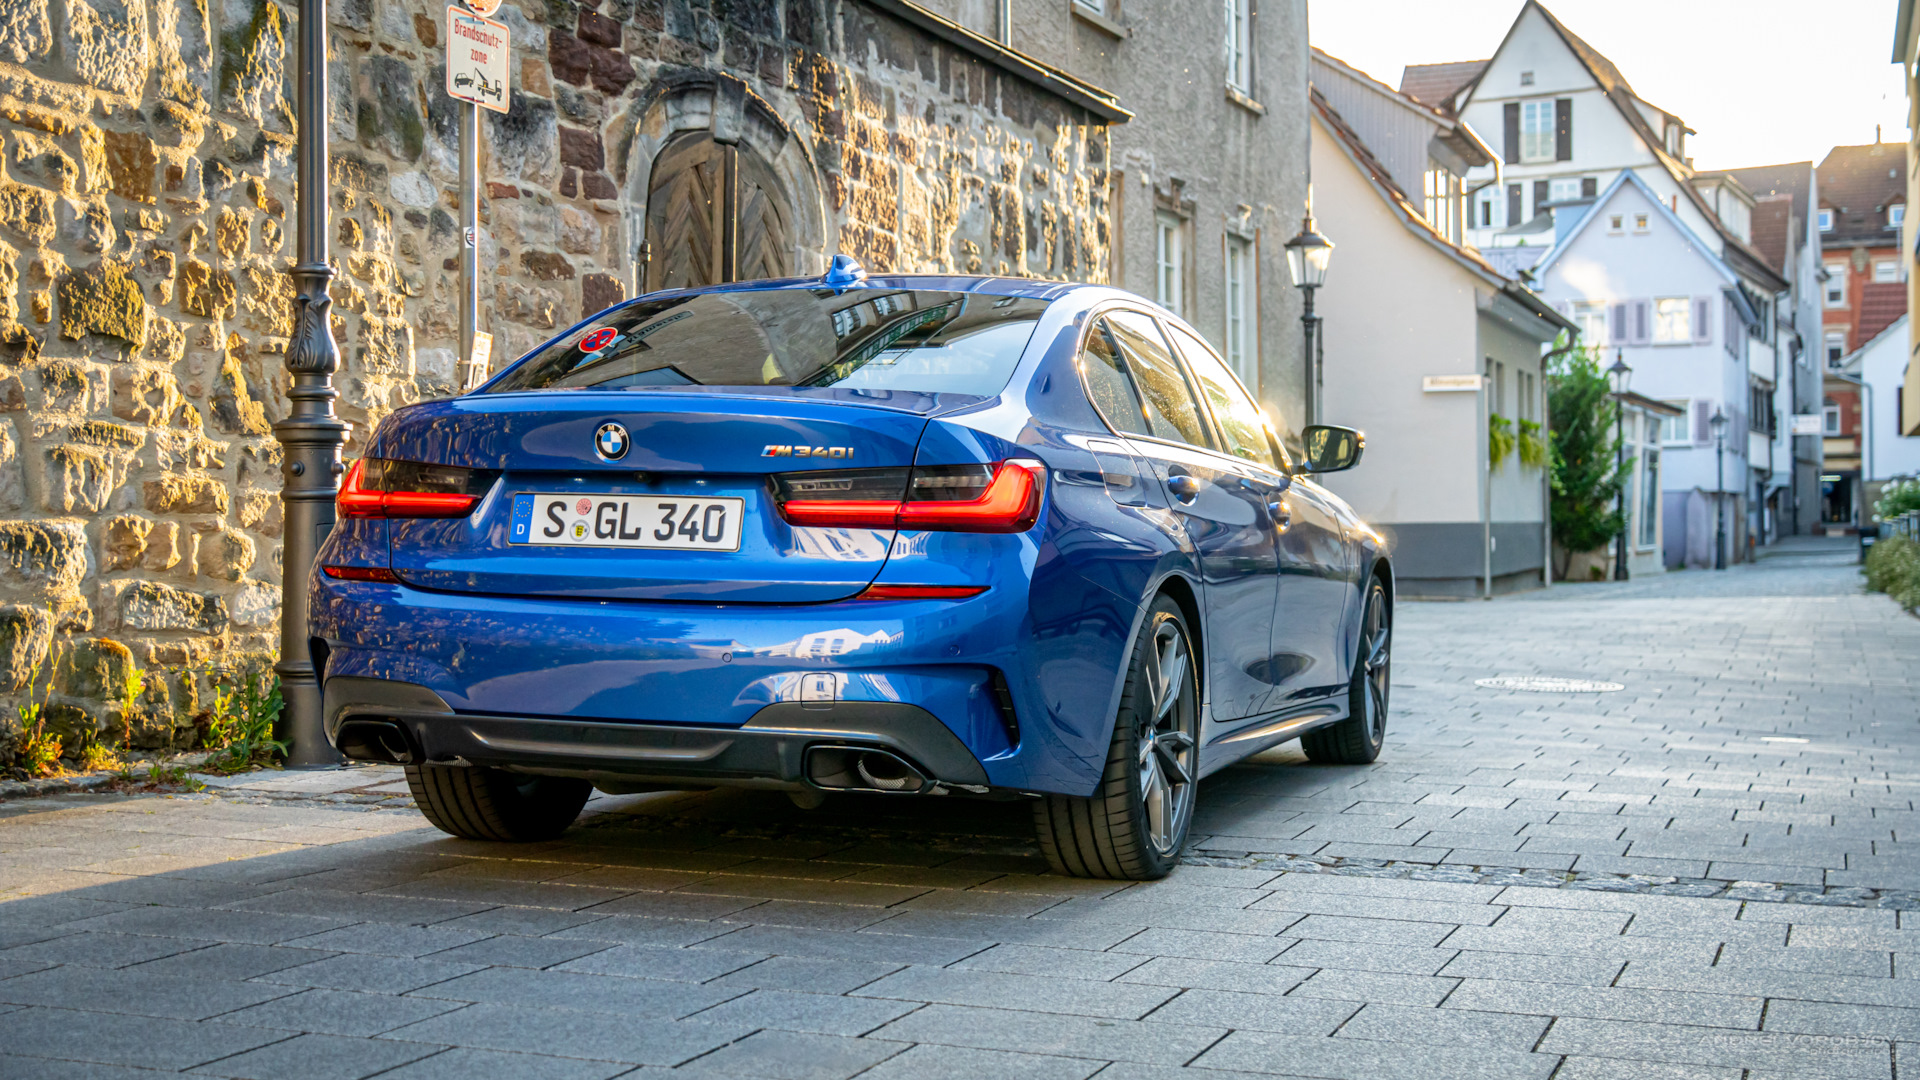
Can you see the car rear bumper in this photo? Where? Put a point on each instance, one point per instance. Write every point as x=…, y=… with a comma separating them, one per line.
x=771, y=750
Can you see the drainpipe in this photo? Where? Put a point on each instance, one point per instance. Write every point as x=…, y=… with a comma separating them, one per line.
x=1003, y=22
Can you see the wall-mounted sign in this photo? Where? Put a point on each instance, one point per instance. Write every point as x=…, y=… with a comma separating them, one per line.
x=1450, y=384
x=478, y=59
x=1807, y=424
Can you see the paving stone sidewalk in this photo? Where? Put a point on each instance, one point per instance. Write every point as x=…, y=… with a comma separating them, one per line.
x=1704, y=875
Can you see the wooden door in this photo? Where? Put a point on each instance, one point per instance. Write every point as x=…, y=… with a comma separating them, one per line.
x=715, y=213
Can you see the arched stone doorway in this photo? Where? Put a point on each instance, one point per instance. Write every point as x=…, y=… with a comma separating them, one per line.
x=715, y=213
x=719, y=187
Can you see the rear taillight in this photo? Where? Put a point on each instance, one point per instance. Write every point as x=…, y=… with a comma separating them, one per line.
x=957, y=498
x=377, y=487
x=920, y=592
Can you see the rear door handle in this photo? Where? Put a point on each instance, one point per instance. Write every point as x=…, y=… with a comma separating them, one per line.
x=1185, y=486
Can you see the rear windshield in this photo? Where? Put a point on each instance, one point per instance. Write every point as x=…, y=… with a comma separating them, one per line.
x=860, y=339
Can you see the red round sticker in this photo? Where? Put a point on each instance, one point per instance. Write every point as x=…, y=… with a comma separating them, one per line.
x=598, y=339
x=583, y=506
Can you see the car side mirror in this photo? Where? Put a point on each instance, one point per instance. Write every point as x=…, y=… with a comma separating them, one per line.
x=1331, y=449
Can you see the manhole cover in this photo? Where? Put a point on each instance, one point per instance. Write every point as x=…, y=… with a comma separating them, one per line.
x=1546, y=684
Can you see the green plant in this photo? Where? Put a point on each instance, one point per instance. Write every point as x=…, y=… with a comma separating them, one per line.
x=1586, y=470
x=1533, y=448
x=39, y=748
x=1896, y=499
x=131, y=686
x=96, y=756
x=1893, y=567
x=1499, y=440
x=240, y=721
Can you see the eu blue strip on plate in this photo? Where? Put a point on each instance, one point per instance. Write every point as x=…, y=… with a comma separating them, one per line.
x=522, y=519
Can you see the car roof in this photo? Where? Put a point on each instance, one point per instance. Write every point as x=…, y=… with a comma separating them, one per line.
x=974, y=283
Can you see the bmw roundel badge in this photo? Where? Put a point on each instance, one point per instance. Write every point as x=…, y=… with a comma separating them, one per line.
x=611, y=442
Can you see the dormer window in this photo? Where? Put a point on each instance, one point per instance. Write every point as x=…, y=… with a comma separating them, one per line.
x=1826, y=221
x=1896, y=215
x=1526, y=78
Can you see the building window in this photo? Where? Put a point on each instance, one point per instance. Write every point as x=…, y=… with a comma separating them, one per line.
x=1639, y=223
x=1836, y=290
x=1759, y=410
x=1239, y=40
x=1617, y=222
x=1442, y=195
x=1673, y=429
x=1240, y=311
x=1673, y=320
x=845, y=321
x=1830, y=418
x=1536, y=130
x=1486, y=213
x=1650, y=484
x=1826, y=221
x=1836, y=345
x=1563, y=189
x=1526, y=78
x=1098, y=7
x=1896, y=215
x=1591, y=317
x=1170, y=262
x=1885, y=270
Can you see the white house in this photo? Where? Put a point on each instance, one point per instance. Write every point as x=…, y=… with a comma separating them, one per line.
x=1455, y=355
x=1650, y=291
x=1664, y=269
x=1881, y=368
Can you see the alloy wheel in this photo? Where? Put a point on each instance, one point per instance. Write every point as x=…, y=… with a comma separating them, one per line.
x=1166, y=756
x=1377, y=663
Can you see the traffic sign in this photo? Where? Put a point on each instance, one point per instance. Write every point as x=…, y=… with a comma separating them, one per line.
x=484, y=7
x=478, y=59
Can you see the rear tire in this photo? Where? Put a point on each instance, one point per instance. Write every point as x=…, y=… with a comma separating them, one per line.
x=492, y=804
x=1135, y=823
x=1357, y=739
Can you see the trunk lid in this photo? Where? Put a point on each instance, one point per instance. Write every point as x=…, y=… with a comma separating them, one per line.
x=695, y=450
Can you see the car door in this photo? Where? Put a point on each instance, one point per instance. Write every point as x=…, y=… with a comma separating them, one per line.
x=1316, y=590
x=1262, y=472
x=1220, y=502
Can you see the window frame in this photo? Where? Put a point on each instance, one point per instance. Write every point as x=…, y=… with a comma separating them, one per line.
x=1242, y=315
x=1896, y=215
x=1830, y=421
x=1685, y=334
x=1824, y=220
x=1544, y=132
x=1833, y=295
x=1214, y=430
x=1583, y=310
x=1682, y=424
x=1827, y=342
x=1201, y=412
x=1892, y=269
x=1169, y=275
x=1238, y=44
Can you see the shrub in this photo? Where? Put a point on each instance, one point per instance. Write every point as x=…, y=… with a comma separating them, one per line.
x=1893, y=567
x=1897, y=499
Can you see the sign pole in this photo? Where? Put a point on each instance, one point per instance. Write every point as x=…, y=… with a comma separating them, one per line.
x=469, y=239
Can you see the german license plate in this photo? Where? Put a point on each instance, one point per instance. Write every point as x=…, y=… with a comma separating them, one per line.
x=628, y=521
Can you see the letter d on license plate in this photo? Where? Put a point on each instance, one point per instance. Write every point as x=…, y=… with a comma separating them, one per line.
x=628, y=521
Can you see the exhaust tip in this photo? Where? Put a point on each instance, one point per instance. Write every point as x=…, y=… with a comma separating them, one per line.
x=859, y=768
x=381, y=741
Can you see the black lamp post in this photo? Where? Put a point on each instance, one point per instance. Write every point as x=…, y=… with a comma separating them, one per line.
x=311, y=436
x=1620, y=375
x=1719, y=423
x=1307, y=258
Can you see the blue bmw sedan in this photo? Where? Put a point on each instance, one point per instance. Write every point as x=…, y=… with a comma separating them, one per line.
x=923, y=536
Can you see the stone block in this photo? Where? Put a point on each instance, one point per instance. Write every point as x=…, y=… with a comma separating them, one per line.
x=124, y=542
x=581, y=149
x=234, y=409
x=546, y=266
x=150, y=605
x=261, y=512
x=27, y=213
x=254, y=64
x=51, y=556
x=13, y=488
x=205, y=291
x=130, y=162
x=105, y=42
x=225, y=554
x=105, y=301
x=185, y=495
x=144, y=395
x=256, y=605
x=163, y=547
x=26, y=634
x=94, y=668
x=78, y=479
x=599, y=292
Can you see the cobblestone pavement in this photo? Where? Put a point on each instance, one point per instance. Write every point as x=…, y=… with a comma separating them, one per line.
x=1703, y=875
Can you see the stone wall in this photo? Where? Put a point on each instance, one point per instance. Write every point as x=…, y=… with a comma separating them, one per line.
x=146, y=221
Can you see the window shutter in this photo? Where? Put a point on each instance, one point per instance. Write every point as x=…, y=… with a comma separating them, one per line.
x=1642, y=321
x=1702, y=422
x=1589, y=187
x=1702, y=313
x=1513, y=204
x=1563, y=130
x=1618, y=325
x=1512, y=155
x=1540, y=196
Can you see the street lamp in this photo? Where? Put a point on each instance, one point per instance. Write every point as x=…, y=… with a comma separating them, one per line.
x=1307, y=258
x=1719, y=423
x=1620, y=375
x=311, y=436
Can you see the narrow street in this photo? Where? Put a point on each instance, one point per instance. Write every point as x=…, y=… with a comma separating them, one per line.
x=1702, y=875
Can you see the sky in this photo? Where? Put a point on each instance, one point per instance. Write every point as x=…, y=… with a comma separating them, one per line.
x=1762, y=81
